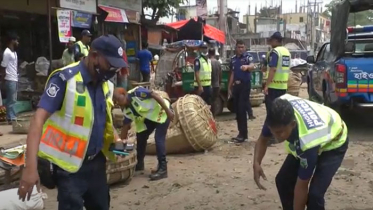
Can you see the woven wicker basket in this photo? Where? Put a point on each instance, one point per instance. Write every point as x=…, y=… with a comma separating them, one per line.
x=22, y=124
x=196, y=122
x=256, y=99
x=118, y=117
x=176, y=142
x=294, y=82
x=123, y=170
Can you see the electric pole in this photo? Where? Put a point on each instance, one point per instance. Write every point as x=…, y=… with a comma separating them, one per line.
x=222, y=4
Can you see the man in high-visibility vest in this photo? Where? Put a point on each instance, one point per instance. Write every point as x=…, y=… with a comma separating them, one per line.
x=278, y=70
x=73, y=128
x=202, y=74
x=316, y=139
x=82, y=46
x=150, y=113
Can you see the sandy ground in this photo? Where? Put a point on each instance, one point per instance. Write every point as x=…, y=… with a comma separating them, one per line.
x=222, y=178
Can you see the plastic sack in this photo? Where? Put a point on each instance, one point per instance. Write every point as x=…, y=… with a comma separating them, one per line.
x=42, y=66
x=10, y=201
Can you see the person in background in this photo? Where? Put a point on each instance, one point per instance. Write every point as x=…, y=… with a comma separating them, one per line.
x=217, y=56
x=240, y=86
x=68, y=55
x=124, y=73
x=80, y=116
x=278, y=71
x=9, y=64
x=264, y=66
x=78, y=57
x=145, y=61
x=215, y=79
x=82, y=46
x=202, y=74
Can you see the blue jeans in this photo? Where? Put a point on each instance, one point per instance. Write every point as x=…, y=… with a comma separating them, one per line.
x=327, y=165
x=11, y=99
x=87, y=187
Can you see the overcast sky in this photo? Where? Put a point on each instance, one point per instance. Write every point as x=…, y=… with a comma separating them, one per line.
x=243, y=5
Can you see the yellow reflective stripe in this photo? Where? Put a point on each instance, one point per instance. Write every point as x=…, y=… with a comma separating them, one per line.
x=70, y=159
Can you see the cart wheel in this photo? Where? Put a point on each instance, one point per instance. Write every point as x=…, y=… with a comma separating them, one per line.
x=218, y=106
x=230, y=106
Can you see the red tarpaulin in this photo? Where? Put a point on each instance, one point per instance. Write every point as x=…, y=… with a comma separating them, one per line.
x=208, y=30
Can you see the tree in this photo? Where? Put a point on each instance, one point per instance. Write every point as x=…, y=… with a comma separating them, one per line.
x=161, y=8
x=359, y=18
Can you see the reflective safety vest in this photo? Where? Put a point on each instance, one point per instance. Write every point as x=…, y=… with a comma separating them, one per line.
x=318, y=125
x=204, y=72
x=145, y=109
x=280, y=80
x=67, y=132
x=84, y=49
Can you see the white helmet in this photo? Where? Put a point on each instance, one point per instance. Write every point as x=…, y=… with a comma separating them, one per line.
x=156, y=57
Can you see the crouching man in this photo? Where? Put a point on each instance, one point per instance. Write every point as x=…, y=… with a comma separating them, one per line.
x=316, y=138
x=149, y=112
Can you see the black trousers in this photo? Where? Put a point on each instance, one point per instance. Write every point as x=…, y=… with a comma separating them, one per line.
x=88, y=187
x=145, y=76
x=241, y=97
x=327, y=165
x=272, y=95
x=214, y=99
x=160, y=139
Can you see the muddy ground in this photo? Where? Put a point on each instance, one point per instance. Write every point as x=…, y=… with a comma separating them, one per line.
x=222, y=178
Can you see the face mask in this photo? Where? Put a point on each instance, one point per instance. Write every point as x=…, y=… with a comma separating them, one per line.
x=104, y=75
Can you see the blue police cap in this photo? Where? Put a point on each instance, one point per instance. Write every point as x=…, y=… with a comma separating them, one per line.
x=277, y=35
x=111, y=48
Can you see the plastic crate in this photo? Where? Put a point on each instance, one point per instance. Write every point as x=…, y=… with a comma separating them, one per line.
x=21, y=106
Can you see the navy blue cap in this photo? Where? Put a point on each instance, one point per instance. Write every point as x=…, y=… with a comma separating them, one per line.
x=277, y=35
x=111, y=48
x=86, y=33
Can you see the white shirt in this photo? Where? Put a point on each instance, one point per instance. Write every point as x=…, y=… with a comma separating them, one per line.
x=10, y=63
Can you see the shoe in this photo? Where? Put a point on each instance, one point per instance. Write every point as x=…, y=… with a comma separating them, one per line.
x=161, y=172
x=140, y=166
x=240, y=140
x=252, y=117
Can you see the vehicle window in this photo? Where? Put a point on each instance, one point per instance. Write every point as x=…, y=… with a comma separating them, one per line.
x=320, y=55
x=362, y=46
x=326, y=52
x=260, y=54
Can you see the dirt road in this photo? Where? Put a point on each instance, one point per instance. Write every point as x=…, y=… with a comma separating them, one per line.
x=222, y=178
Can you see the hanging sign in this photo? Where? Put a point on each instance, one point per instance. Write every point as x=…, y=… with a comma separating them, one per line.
x=81, y=20
x=80, y=5
x=64, y=25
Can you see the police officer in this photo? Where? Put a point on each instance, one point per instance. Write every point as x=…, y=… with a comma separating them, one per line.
x=277, y=71
x=202, y=74
x=73, y=128
x=150, y=112
x=240, y=86
x=279, y=67
x=316, y=139
x=82, y=46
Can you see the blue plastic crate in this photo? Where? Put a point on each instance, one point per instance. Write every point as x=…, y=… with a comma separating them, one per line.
x=21, y=106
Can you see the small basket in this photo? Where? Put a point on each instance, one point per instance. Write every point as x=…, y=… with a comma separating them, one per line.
x=123, y=170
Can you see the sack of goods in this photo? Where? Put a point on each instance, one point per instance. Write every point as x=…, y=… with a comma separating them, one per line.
x=193, y=129
x=294, y=82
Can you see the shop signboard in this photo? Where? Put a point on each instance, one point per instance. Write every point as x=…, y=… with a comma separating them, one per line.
x=135, y=5
x=89, y=6
x=81, y=20
x=115, y=14
x=64, y=25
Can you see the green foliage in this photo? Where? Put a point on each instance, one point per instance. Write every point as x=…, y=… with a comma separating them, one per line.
x=359, y=18
x=161, y=8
